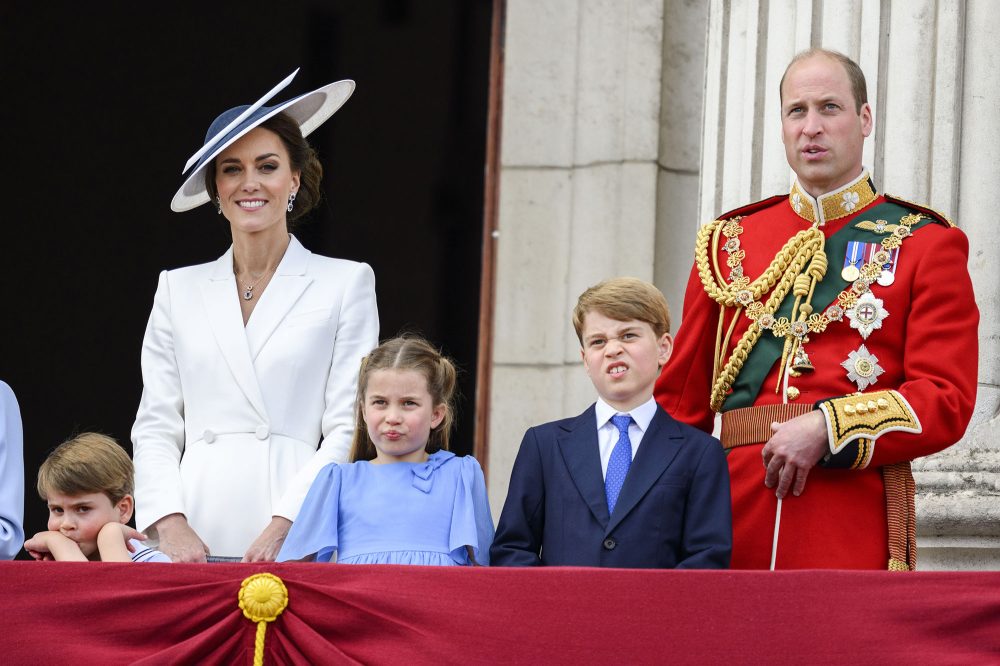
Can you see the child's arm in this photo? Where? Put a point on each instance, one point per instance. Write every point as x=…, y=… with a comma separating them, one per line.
x=113, y=542
x=518, y=539
x=477, y=533
x=54, y=546
x=484, y=519
x=314, y=534
x=707, y=541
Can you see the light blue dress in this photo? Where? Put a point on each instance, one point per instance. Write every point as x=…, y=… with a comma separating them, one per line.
x=398, y=513
x=11, y=475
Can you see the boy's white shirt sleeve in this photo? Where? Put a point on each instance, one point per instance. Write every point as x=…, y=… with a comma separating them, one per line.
x=144, y=553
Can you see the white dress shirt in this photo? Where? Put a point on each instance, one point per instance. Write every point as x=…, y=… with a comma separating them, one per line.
x=607, y=432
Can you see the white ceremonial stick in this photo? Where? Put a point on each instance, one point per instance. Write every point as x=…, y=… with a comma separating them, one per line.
x=774, y=543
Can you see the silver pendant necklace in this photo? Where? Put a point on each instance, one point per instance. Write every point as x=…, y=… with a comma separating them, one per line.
x=248, y=289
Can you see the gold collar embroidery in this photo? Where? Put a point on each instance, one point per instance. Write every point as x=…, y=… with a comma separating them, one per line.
x=833, y=205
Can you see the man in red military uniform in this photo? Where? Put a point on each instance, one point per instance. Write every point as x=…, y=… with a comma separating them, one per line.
x=835, y=331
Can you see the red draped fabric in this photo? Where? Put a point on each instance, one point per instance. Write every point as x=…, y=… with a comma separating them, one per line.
x=167, y=614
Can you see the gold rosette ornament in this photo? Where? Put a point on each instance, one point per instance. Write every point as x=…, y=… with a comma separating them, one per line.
x=263, y=597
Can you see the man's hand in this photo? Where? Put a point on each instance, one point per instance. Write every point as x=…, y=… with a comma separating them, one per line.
x=265, y=547
x=178, y=541
x=794, y=448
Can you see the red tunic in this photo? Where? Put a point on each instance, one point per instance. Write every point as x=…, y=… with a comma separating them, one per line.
x=927, y=346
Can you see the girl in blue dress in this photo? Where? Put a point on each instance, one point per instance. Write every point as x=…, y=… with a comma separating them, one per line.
x=403, y=498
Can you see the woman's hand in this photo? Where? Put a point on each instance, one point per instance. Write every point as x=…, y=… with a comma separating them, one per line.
x=265, y=547
x=178, y=541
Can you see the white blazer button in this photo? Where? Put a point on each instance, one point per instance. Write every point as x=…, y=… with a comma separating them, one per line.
x=262, y=432
x=208, y=436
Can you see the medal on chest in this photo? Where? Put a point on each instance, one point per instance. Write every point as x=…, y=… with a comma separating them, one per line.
x=864, y=310
x=862, y=367
x=867, y=314
x=853, y=261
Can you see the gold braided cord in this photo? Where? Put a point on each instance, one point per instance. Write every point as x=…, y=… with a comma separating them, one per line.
x=803, y=243
x=716, y=232
x=258, y=644
x=721, y=345
x=900, y=516
x=896, y=565
x=801, y=285
x=733, y=366
x=781, y=276
x=818, y=266
x=716, y=359
x=729, y=372
x=793, y=255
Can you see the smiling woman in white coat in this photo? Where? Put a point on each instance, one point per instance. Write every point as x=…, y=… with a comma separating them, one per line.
x=249, y=362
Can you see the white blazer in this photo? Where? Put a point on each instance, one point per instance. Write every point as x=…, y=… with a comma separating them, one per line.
x=229, y=426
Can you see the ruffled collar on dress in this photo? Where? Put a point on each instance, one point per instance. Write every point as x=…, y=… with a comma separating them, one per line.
x=423, y=472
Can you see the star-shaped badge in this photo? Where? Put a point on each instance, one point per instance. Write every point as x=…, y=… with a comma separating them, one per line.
x=862, y=367
x=867, y=314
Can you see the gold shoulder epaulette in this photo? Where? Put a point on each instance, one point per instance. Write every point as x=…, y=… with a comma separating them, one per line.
x=865, y=417
x=938, y=217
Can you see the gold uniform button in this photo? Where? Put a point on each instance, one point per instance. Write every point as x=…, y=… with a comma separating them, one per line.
x=792, y=393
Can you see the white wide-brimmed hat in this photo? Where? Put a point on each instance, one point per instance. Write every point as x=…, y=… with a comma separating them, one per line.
x=309, y=110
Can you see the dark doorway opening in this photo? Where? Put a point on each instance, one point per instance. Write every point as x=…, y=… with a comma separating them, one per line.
x=102, y=108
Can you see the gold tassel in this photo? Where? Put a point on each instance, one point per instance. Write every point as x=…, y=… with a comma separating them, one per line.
x=263, y=597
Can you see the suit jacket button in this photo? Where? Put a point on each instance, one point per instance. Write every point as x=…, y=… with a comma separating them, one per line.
x=208, y=436
x=609, y=544
x=262, y=432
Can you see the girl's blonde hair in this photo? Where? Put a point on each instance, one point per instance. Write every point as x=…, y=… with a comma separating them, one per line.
x=407, y=352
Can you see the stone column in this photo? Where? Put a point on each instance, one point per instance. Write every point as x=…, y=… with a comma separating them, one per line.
x=578, y=178
x=682, y=97
x=934, y=83
x=959, y=489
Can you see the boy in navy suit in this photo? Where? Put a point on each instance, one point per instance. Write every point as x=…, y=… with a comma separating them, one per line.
x=623, y=484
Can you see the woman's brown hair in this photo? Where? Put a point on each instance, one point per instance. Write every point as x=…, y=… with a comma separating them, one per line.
x=302, y=158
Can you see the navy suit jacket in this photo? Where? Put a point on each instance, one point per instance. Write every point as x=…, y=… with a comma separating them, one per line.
x=673, y=511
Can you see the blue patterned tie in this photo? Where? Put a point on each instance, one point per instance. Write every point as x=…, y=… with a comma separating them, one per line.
x=620, y=461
